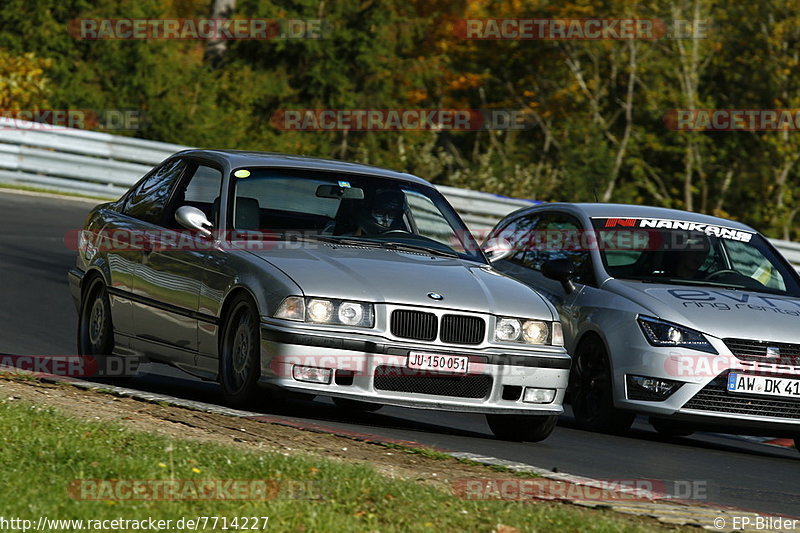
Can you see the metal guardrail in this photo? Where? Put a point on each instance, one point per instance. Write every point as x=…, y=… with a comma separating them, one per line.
x=105, y=165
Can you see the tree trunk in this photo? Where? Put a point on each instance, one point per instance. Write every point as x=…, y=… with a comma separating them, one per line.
x=216, y=47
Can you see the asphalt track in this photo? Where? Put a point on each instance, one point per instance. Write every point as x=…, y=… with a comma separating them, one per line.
x=37, y=317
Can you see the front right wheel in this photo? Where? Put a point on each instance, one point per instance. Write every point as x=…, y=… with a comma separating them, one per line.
x=520, y=428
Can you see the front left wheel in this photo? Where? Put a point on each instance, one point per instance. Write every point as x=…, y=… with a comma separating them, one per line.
x=240, y=350
x=95, y=329
x=521, y=428
x=591, y=390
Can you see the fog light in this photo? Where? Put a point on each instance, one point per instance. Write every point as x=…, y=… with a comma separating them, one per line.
x=539, y=395
x=652, y=389
x=312, y=374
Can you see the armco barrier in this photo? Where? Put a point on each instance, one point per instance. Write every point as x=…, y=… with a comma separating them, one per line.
x=105, y=165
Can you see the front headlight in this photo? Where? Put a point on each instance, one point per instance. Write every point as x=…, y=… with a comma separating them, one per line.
x=662, y=333
x=520, y=330
x=326, y=311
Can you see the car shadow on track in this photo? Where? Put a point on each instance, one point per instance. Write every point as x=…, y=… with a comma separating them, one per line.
x=166, y=380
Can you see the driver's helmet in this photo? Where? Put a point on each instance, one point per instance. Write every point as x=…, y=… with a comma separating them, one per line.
x=691, y=253
x=384, y=212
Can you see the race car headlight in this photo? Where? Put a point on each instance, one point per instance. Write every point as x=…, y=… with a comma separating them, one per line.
x=508, y=330
x=662, y=333
x=319, y=311
x=535, y=332
x=520, y=330
x=327, y=311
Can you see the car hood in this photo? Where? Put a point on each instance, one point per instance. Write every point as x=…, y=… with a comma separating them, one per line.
x=717, y=311
x=380, y=275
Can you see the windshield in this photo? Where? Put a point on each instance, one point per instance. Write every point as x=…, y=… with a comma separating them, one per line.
x=345, y=207
x=680, y=252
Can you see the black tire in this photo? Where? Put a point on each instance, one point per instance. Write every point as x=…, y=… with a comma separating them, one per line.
x=670, y=428
x=95, y=326
x=356, y=405
x=240, y=353
x=591, y=391
x=519, y=428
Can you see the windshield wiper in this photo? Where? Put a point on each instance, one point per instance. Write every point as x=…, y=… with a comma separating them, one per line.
x=347, y=241
x=699, y=282
x=389, y=245
x=406, y=247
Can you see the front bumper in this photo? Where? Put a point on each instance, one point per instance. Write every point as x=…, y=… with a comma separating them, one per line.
x=703, y=400
x=373, y=369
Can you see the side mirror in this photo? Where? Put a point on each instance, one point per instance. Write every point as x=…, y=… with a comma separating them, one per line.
x=497, y=249
x=560, y=270
x=192, y=218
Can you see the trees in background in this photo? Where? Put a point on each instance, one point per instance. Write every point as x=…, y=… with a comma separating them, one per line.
x=595, y=110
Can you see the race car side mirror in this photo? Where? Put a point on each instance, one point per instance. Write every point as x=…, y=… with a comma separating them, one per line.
x=560, y=270
x=497, y=248
x=192, y=218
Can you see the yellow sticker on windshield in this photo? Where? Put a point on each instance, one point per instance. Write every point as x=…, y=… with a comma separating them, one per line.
x=241, y=173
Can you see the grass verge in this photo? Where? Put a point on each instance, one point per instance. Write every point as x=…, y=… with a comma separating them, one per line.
x=43, y=451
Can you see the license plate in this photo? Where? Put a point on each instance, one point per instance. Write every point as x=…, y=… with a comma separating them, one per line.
x=439, y=363
x=746, y=384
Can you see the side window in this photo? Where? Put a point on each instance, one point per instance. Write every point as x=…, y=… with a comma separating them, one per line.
x=148, y=201
x=561, y=236
x=200, y=190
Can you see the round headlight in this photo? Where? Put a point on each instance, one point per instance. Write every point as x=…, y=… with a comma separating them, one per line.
x=534, y=332
x=674, y=335
x=350, y=313
x=319, y=310
x=508, y=329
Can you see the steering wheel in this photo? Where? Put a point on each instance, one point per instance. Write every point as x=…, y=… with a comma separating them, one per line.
x=396, y=231
x=718, y=273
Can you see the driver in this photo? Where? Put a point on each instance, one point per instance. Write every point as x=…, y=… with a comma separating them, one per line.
x=384, y=212
x=686, y=263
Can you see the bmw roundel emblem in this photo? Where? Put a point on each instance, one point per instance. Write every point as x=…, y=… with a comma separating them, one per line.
x=435, y=296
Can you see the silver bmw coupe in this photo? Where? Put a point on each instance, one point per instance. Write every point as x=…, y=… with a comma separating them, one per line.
x=316, y=277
